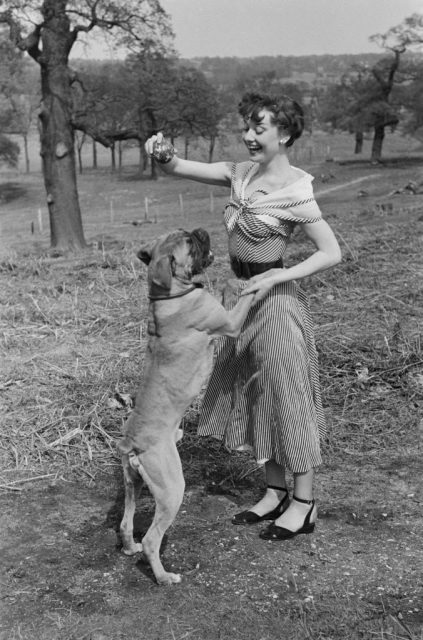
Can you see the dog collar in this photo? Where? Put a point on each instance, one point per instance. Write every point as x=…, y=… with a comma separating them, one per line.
x=196, y=285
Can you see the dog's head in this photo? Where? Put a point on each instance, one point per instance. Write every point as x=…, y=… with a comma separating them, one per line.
x=181, y=254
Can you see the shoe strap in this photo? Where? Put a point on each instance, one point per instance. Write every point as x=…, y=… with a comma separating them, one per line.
x=272, y=486
x=303, y=501
x=308, y=516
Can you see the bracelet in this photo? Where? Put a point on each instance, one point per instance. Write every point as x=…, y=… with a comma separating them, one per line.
x=163, y=152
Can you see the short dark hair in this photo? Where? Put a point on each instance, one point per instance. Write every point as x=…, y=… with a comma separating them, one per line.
x=287, y=114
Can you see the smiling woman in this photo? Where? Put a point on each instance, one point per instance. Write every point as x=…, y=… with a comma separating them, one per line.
x=264, y=392
x=263, y=113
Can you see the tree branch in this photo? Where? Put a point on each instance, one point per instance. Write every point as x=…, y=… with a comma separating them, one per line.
x=30, y=43
x=108, y=137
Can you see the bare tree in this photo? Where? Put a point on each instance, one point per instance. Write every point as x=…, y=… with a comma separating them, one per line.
x=47, y=31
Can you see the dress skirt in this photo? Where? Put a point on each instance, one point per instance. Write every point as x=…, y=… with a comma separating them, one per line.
x=264, y=392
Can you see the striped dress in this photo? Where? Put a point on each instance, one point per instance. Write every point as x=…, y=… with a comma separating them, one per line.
x=264, y=394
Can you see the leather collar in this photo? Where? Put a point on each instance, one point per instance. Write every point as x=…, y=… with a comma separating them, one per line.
x=195, y=285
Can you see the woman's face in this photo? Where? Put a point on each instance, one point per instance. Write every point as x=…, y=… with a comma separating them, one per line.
x=261, y=138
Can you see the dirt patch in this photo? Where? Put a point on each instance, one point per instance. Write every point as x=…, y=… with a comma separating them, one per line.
x=63, y=575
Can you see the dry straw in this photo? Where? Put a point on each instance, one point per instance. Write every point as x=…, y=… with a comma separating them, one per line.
x=73, y=335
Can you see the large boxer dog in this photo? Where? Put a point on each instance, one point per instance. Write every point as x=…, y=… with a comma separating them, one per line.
x=183, y=319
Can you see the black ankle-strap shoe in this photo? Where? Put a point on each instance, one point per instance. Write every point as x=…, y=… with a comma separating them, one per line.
x=249, y=517
x=273, y=532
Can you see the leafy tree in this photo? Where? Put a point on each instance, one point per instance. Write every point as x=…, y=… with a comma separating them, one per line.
x=102, y=104
x=9, y=151
x=397, y=40
x=47, y=31
x=362, y=102
x=410, y=96
x=197, y=107
x=408, y=36
x=9, y=61
x=152, y=87
x=20, y=92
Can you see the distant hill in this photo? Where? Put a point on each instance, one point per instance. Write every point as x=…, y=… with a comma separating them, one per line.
x=312, y=70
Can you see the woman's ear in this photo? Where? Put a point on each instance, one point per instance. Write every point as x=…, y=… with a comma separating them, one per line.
x=160, y=276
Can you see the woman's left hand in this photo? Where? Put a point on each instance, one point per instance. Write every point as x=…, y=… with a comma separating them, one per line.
x=263, y=283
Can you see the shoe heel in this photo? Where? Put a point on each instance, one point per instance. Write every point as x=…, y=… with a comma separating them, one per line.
x=308, y=528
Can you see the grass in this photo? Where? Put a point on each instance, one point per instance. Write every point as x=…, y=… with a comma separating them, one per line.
x=72, y=336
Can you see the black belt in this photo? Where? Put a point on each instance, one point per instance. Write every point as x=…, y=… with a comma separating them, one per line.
x=247, y=270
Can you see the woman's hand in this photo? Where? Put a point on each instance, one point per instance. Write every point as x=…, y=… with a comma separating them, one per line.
x=159, y=148
x=263, y=283
x=149, y=145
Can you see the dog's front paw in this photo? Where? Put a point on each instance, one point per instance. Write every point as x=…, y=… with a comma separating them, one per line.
x=168, y=578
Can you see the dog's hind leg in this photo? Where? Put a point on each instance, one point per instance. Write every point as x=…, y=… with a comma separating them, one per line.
x=131, y=478
x=162, y=471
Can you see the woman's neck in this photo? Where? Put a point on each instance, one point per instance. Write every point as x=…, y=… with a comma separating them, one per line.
x=276, y=166
x=277, y=171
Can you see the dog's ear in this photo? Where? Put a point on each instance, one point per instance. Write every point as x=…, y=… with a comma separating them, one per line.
x=160, y=276
x=202, y=236
x=144, y=254
x=200, y=252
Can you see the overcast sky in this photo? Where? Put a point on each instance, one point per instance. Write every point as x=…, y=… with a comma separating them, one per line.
x=247, y=28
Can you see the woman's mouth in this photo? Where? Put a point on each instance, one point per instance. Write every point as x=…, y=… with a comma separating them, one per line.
x=253, y=148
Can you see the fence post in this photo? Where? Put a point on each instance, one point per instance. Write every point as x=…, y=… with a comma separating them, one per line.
x=112, y=211
x=40, y=221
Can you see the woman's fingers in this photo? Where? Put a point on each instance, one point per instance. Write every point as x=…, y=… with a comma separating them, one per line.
x=252, y=288
x=149, y=145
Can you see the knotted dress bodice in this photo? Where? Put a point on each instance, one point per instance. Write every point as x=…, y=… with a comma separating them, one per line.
x=259, y=229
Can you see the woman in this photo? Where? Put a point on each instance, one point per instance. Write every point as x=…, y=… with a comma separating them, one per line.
x=264, y=391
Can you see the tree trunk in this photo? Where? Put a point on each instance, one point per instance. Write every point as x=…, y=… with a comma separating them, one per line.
x=94, y=154
x=113, y=156
x=358, y=142
x=378, y=136
x=120, y=155
x=211, y=148
x=143, y=158
x=56, y=132
x=80, y=160
x=27, y=162
x=186, y=147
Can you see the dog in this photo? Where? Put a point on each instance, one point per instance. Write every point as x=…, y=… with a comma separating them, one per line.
x=183, y=320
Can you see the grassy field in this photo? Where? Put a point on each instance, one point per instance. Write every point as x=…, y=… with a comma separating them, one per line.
x=72, y=339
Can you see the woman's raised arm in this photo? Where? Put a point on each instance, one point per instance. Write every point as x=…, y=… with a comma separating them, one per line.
x=218, y=173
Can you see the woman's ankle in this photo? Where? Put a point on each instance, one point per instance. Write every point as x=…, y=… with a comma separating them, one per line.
x=271, y=499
